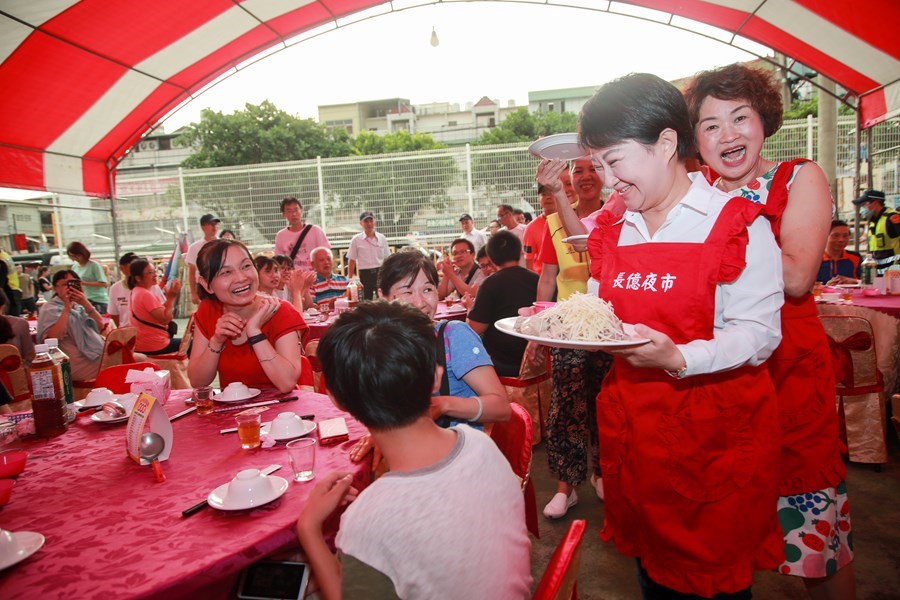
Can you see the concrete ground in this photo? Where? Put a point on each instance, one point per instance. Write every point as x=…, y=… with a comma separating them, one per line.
x=875, y=513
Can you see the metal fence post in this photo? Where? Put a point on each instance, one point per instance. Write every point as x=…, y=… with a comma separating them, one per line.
x=810, y=133
x=469, y=190
x=321, y=191
x=184, y=211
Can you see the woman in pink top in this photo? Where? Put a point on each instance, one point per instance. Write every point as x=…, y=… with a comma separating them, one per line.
x=150, y=316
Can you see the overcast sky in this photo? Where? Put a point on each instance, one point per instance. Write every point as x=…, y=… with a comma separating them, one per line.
x=498, y=50
x=492, y=49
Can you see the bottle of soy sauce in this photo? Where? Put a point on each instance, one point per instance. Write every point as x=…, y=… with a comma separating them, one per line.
x=49, y=405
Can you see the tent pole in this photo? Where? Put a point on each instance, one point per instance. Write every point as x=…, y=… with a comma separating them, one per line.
x=112, y=212
x=857, y=181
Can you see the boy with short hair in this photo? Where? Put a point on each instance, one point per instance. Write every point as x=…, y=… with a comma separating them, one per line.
x=448, y=520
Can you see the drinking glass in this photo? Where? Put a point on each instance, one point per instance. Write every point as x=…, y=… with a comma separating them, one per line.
x=846, y=294
x=817, y=289
x=203, y=400
x=303, y=458
x=248, y=430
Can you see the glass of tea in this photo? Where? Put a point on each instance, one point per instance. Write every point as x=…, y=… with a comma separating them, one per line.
x=248, y=426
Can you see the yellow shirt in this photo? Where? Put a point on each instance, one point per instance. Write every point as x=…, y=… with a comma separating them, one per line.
x=574, y=269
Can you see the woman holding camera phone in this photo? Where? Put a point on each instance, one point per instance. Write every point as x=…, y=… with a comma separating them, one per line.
x=71, y=318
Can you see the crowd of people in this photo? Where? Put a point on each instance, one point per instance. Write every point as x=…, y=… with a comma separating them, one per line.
x=699, y=443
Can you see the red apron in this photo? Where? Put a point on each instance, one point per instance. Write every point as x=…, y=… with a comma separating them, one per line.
x=804, y=380
x=690, y=466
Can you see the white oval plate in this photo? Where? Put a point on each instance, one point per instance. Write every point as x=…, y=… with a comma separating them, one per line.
x=29, y=542
x=508, y=326
x=253, y=394
x=576, y=238
x=216, y=498
x=308, y=427
x=563, y=146
x=106, y=419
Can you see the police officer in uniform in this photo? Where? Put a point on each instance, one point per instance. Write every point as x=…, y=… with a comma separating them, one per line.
x=884, y=229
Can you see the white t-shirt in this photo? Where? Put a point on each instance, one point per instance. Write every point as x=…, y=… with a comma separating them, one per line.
x=120, y=301
x=367, y=252
x=193, y=250
x=454, y=530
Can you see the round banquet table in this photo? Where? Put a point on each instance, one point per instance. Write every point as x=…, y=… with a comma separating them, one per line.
x=316, y=330
x=112, y=531
x=883, y=312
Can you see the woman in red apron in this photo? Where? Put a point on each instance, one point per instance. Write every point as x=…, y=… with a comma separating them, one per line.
x=688, y=423
x=735, y=109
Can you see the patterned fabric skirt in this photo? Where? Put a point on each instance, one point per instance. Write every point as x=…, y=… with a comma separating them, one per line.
x=818, y=540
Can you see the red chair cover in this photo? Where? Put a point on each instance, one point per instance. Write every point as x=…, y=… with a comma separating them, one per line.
x=513, y=438
x=306, y=374
x=11, y=363
x=126, y=348
x=560, y=578
x=113, y=378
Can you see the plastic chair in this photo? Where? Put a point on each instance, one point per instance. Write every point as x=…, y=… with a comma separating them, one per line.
x=532, y=389
x=113, y=378
x=513, y=438
x=118, y=350
x=176, y=363
x=560, y=579
x=860, y=387
x=315, y=367
x=15, y=377
x=306, y=381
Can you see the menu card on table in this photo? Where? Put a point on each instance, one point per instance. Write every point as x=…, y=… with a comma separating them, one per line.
x=147, y=411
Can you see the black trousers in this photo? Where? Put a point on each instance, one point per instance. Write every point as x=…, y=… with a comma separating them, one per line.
x=369, y=279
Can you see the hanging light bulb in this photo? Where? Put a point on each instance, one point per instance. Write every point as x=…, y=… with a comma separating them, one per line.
x=434, y=38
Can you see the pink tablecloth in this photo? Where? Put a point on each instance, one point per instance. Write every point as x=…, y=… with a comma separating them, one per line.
x=113, y=532
x=887, y=304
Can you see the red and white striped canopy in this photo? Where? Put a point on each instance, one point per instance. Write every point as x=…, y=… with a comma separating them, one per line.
x=80, y=82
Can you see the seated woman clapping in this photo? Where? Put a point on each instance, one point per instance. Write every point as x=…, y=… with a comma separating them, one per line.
x=241, y=334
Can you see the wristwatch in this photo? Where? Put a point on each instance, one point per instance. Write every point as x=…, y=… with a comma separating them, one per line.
x=679, y=374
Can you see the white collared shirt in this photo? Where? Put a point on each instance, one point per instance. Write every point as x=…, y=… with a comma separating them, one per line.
x=368, y=252
x=748, y=310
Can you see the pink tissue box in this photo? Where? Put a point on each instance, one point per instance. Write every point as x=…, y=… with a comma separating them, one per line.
x=158, y=384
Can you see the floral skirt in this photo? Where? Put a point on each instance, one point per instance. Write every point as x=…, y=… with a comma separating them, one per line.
x=818, y=540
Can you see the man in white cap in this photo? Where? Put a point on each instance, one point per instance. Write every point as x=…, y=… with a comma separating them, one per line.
x=884, y=229
x=210, y=225
x=366, y=253
x=469, y=232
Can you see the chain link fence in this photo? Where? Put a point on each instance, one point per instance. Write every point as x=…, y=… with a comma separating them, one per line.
x=417, y=197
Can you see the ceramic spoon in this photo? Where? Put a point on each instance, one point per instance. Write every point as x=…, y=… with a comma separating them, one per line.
x=152, y=445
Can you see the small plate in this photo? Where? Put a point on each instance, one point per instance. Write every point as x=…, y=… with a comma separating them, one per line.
x=105, y=418
x=308, y=427
x=216, y=498
x=576, y=238
x=508, y=326
x=253, y=394
x=563, y=146
x=29, y=542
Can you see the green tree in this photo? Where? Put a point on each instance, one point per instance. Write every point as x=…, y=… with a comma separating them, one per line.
x=508, y=175
x=398, y=186
x=258, y=134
